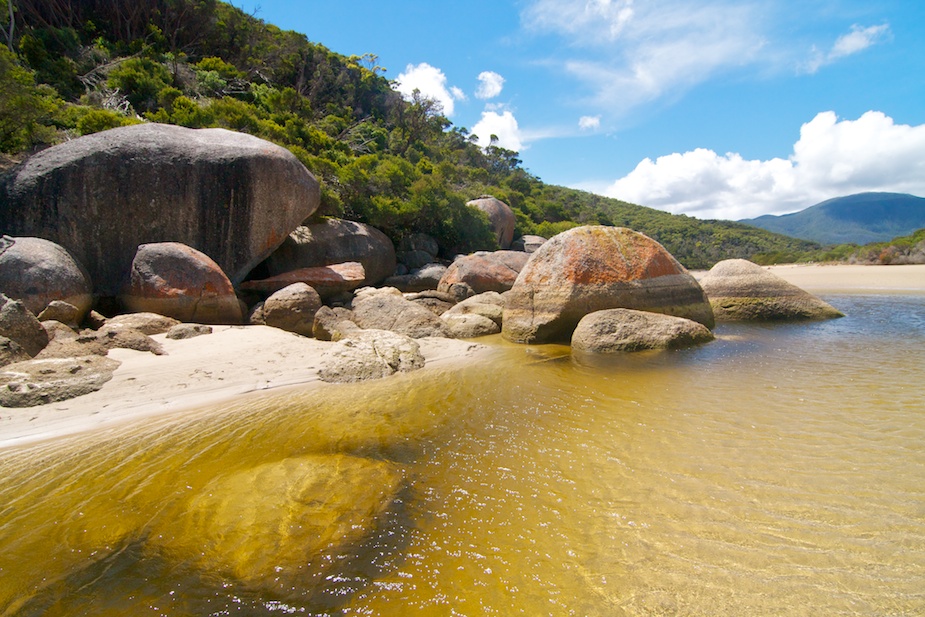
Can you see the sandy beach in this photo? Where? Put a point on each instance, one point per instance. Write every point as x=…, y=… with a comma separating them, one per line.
x=854, y=279
x=206, y=370
x=237, y=360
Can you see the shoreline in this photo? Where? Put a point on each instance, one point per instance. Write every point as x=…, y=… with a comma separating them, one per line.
x=235, y=361
x=199, y=372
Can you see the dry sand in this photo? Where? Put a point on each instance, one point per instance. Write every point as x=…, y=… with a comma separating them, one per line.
x=854, y=279
x=233, y=361
x=196, y=372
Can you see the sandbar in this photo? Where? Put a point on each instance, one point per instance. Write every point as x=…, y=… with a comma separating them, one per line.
x=197, y=372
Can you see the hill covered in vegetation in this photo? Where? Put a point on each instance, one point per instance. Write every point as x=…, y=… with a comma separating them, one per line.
x=75, y=68
x=857, y=219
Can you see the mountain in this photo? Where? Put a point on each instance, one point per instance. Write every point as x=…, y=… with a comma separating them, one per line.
x=854, y=219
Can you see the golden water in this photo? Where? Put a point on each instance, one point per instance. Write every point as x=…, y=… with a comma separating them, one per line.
x=777, y=471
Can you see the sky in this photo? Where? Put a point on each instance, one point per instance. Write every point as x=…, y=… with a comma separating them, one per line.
x=724, y=109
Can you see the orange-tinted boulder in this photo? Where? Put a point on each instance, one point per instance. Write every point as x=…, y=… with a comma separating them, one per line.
x=326, y=280
x=484, y=271
x=593, y=268
x=172, y=279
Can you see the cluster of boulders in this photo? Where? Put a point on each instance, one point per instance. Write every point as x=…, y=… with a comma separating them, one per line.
x=180, y=228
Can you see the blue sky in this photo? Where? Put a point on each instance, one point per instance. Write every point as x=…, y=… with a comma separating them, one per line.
x=711, y=108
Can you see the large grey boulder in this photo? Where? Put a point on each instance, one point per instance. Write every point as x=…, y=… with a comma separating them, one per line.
x=588, y=269
x=485, y=271
x=292, y=309
x=740, y=290
x=335, y=241
x=361, y=355
x=39, y=272
x=41, y=381
x=281, y=527
x=387, y=310
x=469, y=325
x=620, y=330
x=230, y=195
x=501, y=217
x=172, y=279
x=18, y=324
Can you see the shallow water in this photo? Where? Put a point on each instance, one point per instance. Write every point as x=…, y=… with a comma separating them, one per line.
x=777, y=471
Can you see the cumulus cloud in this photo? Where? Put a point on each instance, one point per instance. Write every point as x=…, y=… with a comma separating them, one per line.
x=629, y=53
x=589, y=123
x=431, y=83
x=855, y=41
x=832, y=158
x=501, y=125
x=490, y=85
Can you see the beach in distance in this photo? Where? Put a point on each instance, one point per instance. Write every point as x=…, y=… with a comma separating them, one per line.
x=236, y=361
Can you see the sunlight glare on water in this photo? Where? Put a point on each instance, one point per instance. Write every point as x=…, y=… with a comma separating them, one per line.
x=776, y=471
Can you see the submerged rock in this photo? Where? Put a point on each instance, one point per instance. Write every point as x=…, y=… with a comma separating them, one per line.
x=593, y=268
x=281, y=527
x=740, y=290
x=619, y=330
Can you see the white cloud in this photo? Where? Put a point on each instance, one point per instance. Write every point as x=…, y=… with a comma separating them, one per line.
x=830, y=159
x=431, y=82
x=855, y=41
x=503, y=126
x=630, y=54
x=490, y=85
x=589, y=123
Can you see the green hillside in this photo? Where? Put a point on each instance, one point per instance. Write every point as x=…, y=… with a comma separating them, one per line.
x=74, y=68
x=856, y=219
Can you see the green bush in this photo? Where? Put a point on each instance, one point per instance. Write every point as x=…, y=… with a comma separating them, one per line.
x=140, y=80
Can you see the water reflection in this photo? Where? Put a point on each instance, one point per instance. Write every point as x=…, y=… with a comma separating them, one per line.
x=778, y=470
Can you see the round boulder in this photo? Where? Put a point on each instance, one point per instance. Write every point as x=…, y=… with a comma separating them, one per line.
x=230, y=195
x=292, y=309
x=336, y=241
x=172, y=279
x=740, y=290
x=619, y=330
x=501, y=217
x=39, y=272
x=592, y=268
x=484, y=271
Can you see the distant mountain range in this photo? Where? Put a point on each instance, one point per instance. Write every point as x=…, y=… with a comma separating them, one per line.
x=857, y=219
